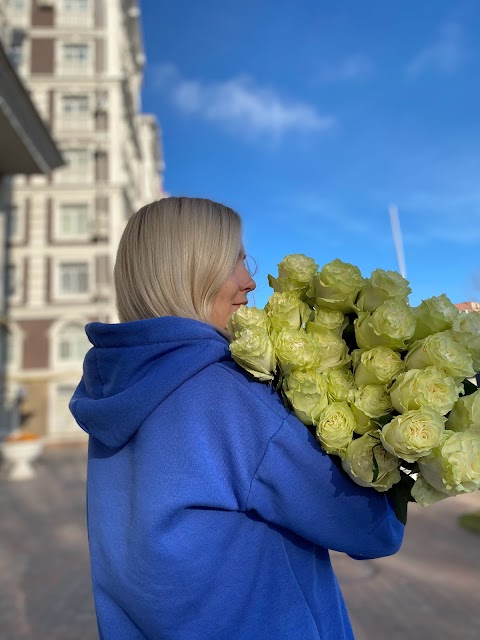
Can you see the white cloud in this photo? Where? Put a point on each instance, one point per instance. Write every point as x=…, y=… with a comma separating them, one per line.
x=444, y=55
x=353, y=67
x=240, y=105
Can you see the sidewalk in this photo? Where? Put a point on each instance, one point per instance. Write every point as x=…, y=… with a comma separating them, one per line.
x=429, y=591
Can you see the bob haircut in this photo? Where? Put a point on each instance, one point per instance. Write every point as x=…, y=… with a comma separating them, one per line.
x=173, y=257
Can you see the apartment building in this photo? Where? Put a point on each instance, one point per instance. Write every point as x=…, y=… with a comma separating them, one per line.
x=83, y=62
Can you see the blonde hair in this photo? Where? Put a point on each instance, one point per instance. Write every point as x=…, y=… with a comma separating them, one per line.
x=173, y=257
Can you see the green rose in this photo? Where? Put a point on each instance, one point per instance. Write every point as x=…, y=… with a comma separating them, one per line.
x=414, y=434
x=440, y=350
x=248, y=317
x=379, y=365
x=286, y=310
x=253, y=350
x=370, y=403
x=307, y=393
x=390, y=325
x=425, y=388
x=465, y=414
x=295, y=349
x=424, y=494
x=337, y=286
x=369, y=464
x=331, y=319
x=373, y=400
x=381, y=286
x=332, y=349
x=295, y=273
x=335, y=428
x=340, y=385
x=454, y=465
x=363, y=423
x=466, y=331
x=433, y=315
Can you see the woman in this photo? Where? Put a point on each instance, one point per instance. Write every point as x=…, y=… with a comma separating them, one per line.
x=210, y=506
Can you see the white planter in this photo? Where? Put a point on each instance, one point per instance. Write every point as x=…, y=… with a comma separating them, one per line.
x=19, y=455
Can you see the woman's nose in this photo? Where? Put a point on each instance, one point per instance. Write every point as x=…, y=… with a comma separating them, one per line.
x=251, y=284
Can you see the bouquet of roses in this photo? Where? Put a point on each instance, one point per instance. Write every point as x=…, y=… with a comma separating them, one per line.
x=383, y=386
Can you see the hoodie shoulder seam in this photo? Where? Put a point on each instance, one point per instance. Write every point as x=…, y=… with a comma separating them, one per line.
x=257, y=396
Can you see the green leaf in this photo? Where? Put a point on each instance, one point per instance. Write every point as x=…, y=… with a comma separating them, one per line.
x=469, y=387
x=375, y=465
x=400, y=495
x=349, y=336
x=383, y=420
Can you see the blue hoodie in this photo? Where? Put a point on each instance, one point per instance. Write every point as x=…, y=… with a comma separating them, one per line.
x=211, y=508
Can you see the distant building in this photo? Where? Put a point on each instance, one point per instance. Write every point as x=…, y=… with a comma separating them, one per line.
x=82, y=61
x=26, y=147
x=468, y=306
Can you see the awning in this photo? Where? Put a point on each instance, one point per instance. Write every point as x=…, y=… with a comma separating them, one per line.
x=26, y=145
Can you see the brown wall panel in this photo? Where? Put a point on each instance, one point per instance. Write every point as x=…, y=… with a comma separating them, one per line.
x=35, y=343
x=100, y=55
x=51, y=108
x=28, y=220
x=49, y=225
x=99, y=13
x=26, y=275
x=101, y=121
x=101, y=166
x=101, y=204
x=42, y=16
x=48, y=280
x=102, y=269
x=42, y=55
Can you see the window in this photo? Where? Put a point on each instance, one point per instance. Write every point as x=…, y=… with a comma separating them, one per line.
x=75, y=56
x=78, y=168
x=17, y=5
x=13, y=344
x=73, y=220
x=9, y=349
x=75, y=6
x=75, y=105
x=73, y=278
x=76, y=161
x=76, y=158
x=14, y=222
x=17, y=48
x=73, y=344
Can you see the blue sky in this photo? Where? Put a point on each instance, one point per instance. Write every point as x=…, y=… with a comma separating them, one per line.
x=310, y=118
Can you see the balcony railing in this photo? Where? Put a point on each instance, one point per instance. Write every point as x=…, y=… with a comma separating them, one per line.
x=75, y=122
x=75, y=19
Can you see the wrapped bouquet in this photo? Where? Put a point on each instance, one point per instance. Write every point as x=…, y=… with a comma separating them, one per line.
x=382, y=385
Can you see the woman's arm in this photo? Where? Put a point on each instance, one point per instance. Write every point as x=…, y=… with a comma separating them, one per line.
x=299, y=487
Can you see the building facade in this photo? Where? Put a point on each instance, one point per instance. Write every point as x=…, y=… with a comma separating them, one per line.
x=468, y=307
x=83, y=62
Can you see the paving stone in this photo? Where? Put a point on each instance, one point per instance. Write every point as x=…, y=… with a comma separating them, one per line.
x=429, y=590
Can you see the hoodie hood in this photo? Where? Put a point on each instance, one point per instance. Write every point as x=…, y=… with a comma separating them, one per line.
x=134, y=366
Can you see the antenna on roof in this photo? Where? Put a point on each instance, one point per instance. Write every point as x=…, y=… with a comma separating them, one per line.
x=397, y=238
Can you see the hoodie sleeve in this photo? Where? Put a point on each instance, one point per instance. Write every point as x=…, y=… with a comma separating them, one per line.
x=299, y=487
